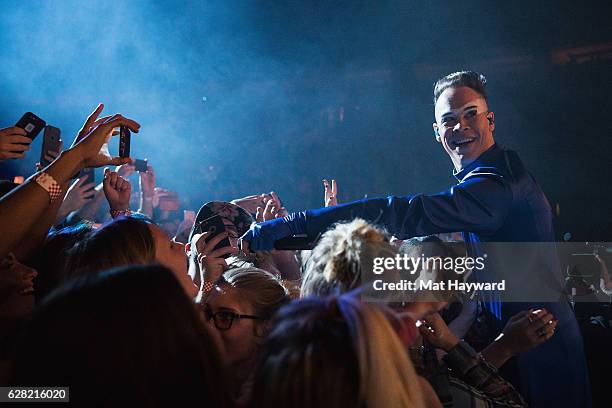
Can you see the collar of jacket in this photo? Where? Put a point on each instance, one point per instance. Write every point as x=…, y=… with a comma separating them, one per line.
x=489, y=158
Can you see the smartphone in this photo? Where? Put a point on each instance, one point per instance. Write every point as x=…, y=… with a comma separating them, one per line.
x=31, y=123
x=90, y=172
x=124, y=141
x=51, y=142
x=214, y=225
x=141, y=165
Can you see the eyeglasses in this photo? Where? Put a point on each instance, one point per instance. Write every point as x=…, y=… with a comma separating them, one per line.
x=223, y=319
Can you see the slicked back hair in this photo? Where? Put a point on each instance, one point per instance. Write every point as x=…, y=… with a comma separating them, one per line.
x=470, y=79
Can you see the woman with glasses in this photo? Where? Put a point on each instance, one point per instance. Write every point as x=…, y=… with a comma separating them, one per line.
x=239, y=307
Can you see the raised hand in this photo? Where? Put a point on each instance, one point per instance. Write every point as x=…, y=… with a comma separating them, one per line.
x=280, y=211
x=211, y=261
x=125, y=170
x=13, y=143
x=272, y=209
x=95, y=133
x=147, y=181
x=117, y=190
x=77, y=196
x=250, y=203
x=331, y=193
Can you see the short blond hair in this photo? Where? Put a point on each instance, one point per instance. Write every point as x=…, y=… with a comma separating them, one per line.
x=336, y=264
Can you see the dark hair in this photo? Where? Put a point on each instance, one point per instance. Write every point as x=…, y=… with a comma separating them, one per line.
x=470, y=79
x=50, y=261
x=307, y=334
x=122, y=241
x=129, y=336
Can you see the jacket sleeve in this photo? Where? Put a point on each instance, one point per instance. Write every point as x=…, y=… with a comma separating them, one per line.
x=480, y=203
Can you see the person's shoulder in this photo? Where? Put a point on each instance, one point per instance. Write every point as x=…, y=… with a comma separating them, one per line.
x=485, y=174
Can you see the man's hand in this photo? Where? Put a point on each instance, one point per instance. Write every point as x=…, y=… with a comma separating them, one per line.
x=96, y=133
x=331, y=193
x=117, y=190
x=13, y=143
x=526, y=330
x=77, y=196
x=436, y=332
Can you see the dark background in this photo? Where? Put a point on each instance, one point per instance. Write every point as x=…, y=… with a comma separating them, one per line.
x=238, y=98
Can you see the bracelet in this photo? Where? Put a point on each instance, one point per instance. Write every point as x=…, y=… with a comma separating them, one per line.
x=117, y=213
x=208, y=286
x=49, y=184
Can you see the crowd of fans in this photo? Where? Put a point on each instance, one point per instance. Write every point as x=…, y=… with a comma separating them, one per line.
x=111, y=292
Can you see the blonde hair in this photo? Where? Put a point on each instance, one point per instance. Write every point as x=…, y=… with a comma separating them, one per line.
x=263, y=291
x=335, y=351
x=387, y=376
x=336, y=264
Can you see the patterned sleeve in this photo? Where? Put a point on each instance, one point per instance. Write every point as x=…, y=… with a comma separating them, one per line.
x=471, y=368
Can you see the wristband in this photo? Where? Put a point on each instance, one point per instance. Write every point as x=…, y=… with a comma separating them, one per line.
x=49, y=184
x=208, y=286
x=118, y=213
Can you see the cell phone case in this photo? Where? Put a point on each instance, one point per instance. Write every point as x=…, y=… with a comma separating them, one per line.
x=51, y=142
x=31, y=123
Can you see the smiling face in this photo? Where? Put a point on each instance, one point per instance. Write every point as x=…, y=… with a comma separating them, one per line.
x=464, y=125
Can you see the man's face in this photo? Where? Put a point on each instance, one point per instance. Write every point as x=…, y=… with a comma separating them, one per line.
x=464, y=125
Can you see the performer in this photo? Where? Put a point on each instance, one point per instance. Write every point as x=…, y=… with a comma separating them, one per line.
x=495, y=200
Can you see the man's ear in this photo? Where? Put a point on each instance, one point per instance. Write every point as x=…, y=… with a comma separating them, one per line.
x=187, y=248
x=491, y=119
x=436, y=132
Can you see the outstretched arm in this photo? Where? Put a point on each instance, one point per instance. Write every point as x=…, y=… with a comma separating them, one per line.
x=479, y=204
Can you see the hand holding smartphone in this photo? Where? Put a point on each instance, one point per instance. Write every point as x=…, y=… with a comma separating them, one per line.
x=52, y=142
x=31, y=123
x=214, y=226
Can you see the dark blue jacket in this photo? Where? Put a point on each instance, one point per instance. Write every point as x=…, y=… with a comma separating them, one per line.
x=496, y=200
